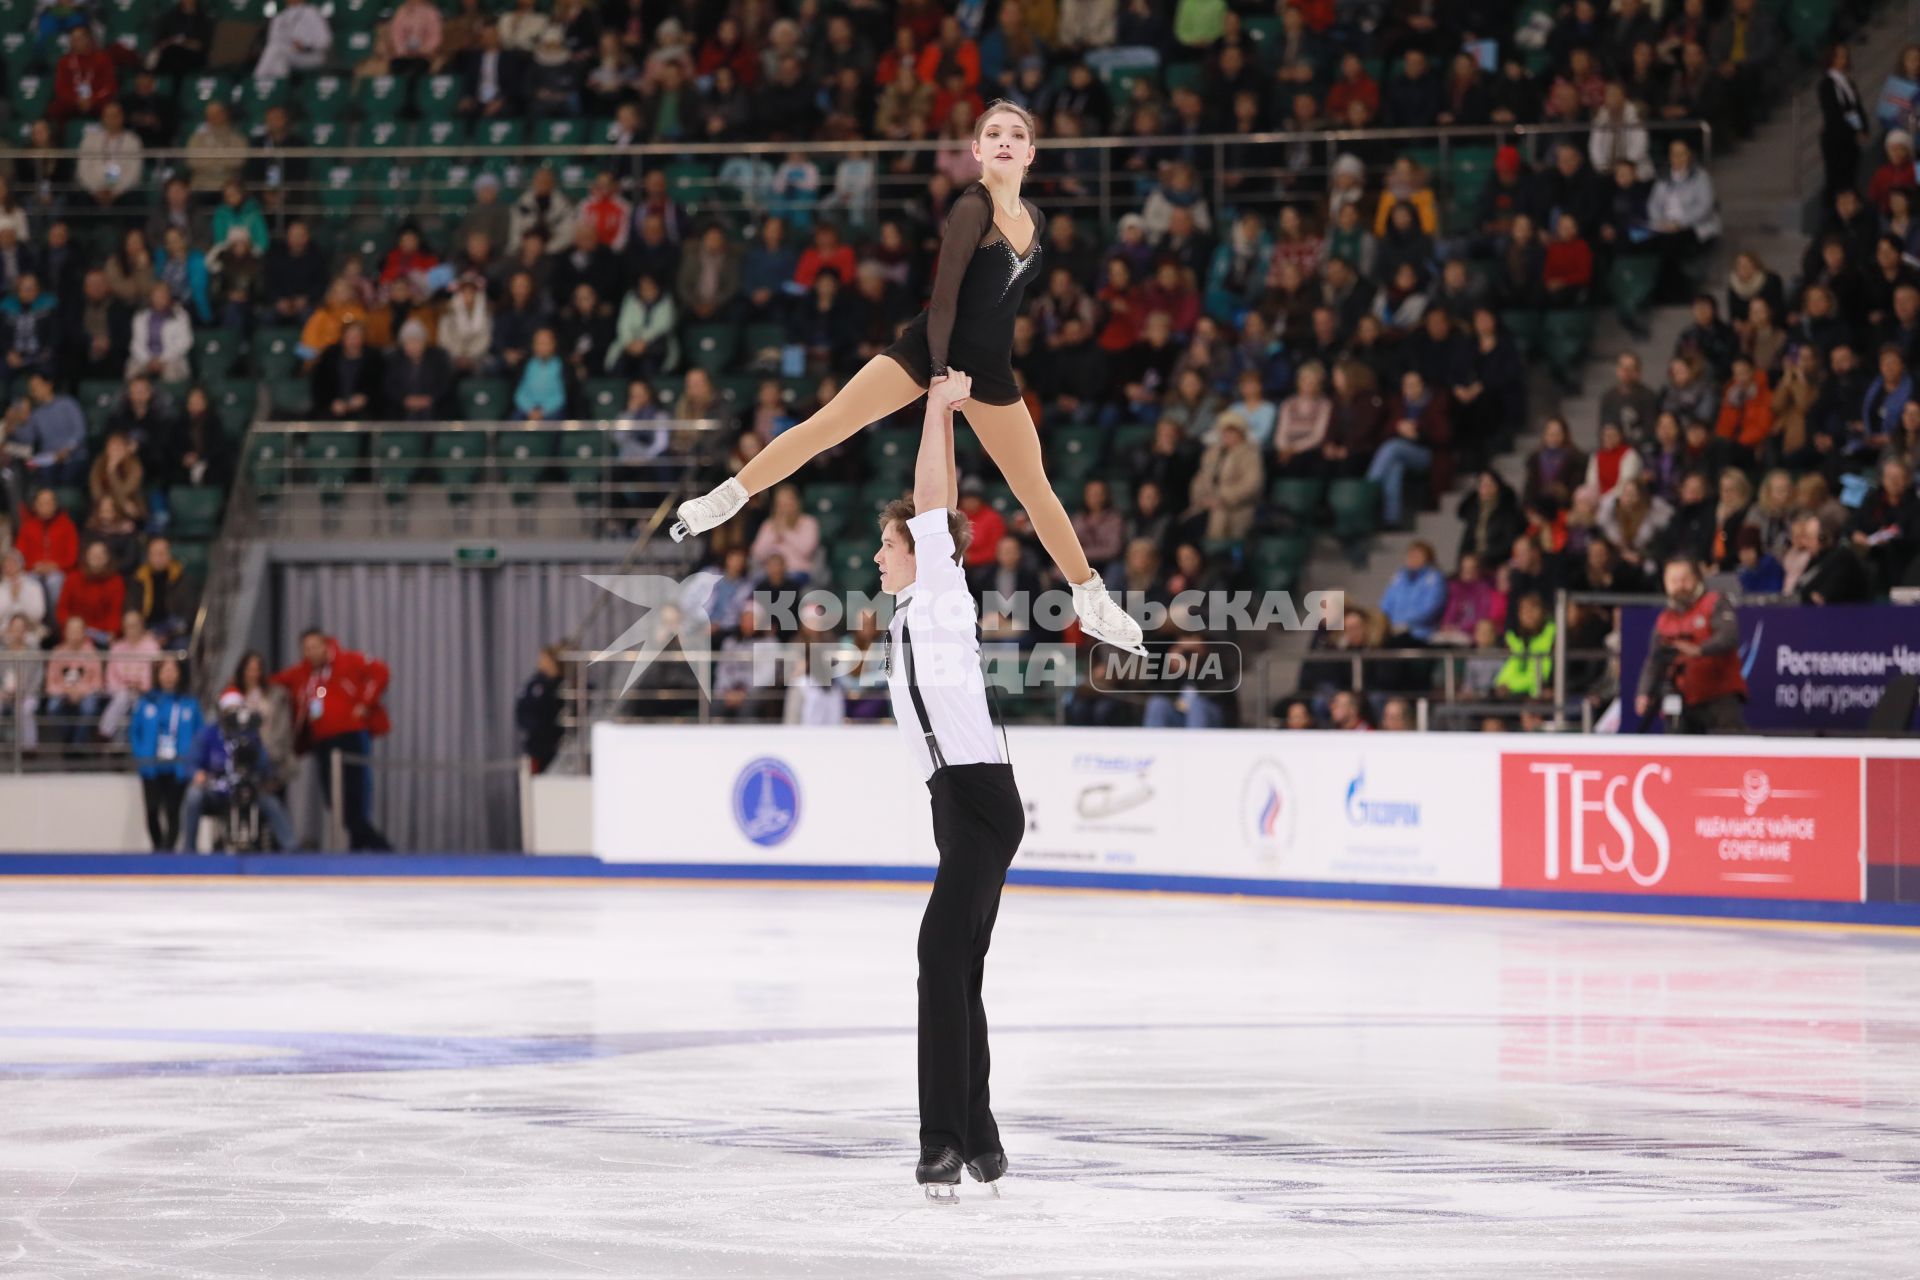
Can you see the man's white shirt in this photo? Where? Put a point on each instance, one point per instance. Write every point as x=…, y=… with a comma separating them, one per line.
x=946, y=655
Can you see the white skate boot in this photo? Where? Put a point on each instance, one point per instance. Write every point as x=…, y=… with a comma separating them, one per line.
x=1105, y=620
x=697, y=515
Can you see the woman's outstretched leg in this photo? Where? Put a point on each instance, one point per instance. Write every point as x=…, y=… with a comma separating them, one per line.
x=1013, y=442
x=881, y=387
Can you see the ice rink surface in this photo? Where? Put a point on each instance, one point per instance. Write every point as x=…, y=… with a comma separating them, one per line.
x=330, y=1079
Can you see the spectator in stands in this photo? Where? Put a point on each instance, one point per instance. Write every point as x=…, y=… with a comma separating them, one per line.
x=235, y=273
x=789, y=532
x=542, y=391
x=1419, y=425
x=112, y=159
x=1101, y=528
x=22, y=596
x=298, y=39
x=75, y=686
x=1472, y=599
x=1416, y=598
x=158, y=590
x=545, y=207
x=1689, y=396
x=1885, y=399
x=295, y=276
x=95, y=331
x=349, y=379
x=1008, y=576
x=1554, y=469
x=1346, y=710
x=269, y=705
x=418, y=384
x=1567, y=265
x=1491, y=519
x=1528, y=672
x=161, y=340
x=116, y=530
x=1819, y=572
x=164, y=724
x=1758, y=572
x=1300, y=434
x=1746, y=407
x=1194, y=706
x=414, y=34
x=1709, y=343
x=22, y=674
x=84, y=80
x=495, y=74
x=48, y=542
x=1683, y=211
x=130, y=672
x=645, y=344
x=31, y=323
x=216, y=151
x=56, y=434
x=1897, y=172
x=117, y=474
x=1615, y=460
x=183, y=269
x=182, y=39
x=1634, y=520
x=1885, y=529
x=1228, y=485
x=466, y=326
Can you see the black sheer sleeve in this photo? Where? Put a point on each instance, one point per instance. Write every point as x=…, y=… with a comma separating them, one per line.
x=967, y=224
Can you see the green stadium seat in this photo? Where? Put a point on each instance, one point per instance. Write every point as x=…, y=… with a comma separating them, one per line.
x=1356, y=508
x=266, y=462
x=97, y=398
x=439, y=98
x=851, y=563
x=30, y=96
x=329, y=459
x=353, y=47
x=1565, y=336
x=891, y=453
x=583, y=456
x=832, y=505
x=214, y=352
x=194, y=557
x=876, y=494
x=397, y=457
x=276, y=352
x=762, y=338
x=1297, y=499
x=1809, y=23
x=484, y=399
x=384, y=132
x=500, y=135
x=605, y=397
x=195, y=510
x=380, y=98
x=1076, y=451
x=235, y=402
x=999, y=496
x=1523, y=326
x=690, y=181
x=524, y=458
x=197, y=91
x=358, y=15
x=290, y=399
x=326, y=133
x=324, y=98
x=253, y=97
x=712, y=346
x=459, y=456
x=1631, y=280
x=1129, y=436
x=556, y=133
x=1277, y=560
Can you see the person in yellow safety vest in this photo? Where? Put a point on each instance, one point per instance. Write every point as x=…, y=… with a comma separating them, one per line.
x=1529, y=668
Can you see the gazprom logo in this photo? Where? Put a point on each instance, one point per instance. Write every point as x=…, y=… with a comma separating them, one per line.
x=766, y=801
x=1365, y=812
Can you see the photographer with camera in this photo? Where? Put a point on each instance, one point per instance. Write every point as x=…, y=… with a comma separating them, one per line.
x=1692, y=673
x=233, y=775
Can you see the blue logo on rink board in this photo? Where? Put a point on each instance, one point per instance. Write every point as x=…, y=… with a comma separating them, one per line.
x=766, y=801
x=1365, y=812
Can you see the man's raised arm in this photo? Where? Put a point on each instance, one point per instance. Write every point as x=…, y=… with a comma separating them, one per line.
x=934, y=484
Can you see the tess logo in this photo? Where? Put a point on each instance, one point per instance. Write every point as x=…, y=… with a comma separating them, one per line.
x=1627, y=834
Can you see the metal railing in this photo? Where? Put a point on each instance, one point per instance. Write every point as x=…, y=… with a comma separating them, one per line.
x=566, y=478
x=389, y=175
x=50, y=724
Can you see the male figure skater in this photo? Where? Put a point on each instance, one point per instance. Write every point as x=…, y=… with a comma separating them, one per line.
x=940, y=702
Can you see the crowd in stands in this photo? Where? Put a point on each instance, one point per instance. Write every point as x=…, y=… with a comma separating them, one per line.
x=1254, y=317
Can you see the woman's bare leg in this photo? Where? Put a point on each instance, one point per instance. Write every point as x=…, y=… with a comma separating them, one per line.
x=1012, y=440
x=880, y=388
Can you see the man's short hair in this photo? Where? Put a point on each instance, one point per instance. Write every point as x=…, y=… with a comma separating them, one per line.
x=901, y=510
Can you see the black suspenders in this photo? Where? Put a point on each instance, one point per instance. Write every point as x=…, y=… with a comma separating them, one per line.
x=920, y=703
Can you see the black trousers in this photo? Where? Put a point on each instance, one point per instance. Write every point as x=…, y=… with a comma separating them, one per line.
x=978, y=820
x=1721, y=715
x=163, y=794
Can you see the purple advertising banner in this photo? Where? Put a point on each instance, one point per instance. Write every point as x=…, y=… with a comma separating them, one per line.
x=1807, y=667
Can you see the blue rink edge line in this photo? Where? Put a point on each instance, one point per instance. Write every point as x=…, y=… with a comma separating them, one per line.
x=513, y=866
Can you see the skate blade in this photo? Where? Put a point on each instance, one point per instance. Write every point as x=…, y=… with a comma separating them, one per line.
x=679, y=532
x=1139, y=650
x=943, y=1192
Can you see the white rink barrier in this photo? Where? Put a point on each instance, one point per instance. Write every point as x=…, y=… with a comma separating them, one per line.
x=72, y=813
x=1727, y=818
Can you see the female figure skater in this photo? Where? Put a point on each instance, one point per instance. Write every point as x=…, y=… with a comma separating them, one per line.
x=989, y=250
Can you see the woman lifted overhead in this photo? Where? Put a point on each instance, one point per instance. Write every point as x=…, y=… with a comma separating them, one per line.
x=989, y=250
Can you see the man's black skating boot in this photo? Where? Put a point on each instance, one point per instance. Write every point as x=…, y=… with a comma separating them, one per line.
x=989, y=1167
x=939, y=1173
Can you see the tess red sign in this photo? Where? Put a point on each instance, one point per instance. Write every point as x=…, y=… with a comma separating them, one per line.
x=1721, y=826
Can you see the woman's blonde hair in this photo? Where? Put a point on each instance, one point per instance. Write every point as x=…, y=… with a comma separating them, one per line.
x=1006, y=104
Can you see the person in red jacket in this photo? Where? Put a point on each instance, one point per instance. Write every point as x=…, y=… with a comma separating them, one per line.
x=336, y=696
x=48, y=542
x=83, y=81
x=1694, y=658
x=96, y=595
